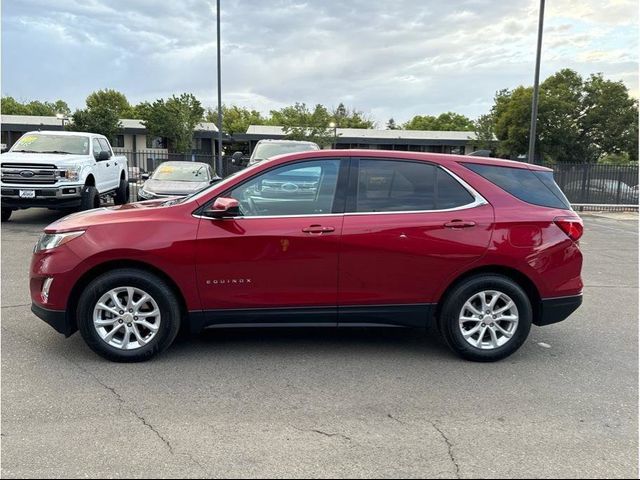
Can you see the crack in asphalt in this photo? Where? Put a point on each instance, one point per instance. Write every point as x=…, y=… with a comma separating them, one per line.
x=450, y=448
x=326, y=434
x=123, y=404
x=450, y=445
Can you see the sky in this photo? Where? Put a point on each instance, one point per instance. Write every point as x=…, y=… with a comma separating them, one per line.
x=386, y=58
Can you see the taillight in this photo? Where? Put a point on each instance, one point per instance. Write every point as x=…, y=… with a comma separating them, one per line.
x=571, y=226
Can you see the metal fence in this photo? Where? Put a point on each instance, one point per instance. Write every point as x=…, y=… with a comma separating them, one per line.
x=588, y=183
x=583, y=183
x=146, y=161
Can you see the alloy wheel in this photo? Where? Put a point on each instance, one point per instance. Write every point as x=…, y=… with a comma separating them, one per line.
x=126, y=318
x=489, y=319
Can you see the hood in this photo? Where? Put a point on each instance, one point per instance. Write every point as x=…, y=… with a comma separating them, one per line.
x=59, y=160
x=106, y=215
x=172, y=187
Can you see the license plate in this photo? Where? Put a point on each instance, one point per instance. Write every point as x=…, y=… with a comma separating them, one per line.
x=27, y=194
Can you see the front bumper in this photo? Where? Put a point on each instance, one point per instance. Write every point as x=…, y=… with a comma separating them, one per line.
x=58, y=319
x=554, y=310
x=63, y=196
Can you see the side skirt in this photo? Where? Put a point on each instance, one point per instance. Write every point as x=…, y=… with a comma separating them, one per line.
x=414, y=315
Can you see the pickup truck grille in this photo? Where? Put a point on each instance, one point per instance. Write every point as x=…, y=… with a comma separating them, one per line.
x=29, y=174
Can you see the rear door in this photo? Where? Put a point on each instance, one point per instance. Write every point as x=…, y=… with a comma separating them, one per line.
x=409, y=227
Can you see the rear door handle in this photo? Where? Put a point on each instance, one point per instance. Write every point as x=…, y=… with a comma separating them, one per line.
x=459, y=224
x=318, y=229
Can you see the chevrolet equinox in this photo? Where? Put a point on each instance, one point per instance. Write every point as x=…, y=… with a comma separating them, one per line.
x=478, y=248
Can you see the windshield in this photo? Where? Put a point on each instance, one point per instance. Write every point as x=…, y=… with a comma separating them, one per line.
x=183, y=172
x=202, y=190
x=268, y=150
x=62, y=144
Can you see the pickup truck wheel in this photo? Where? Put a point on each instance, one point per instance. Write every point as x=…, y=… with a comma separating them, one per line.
x=122, y=194
x=89, y=198
x=128, y=315
x=486, y=318
x=6, y=214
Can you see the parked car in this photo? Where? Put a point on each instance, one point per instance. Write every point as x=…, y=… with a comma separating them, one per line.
x=479, y=247
x=61, y=170
x=173, y=179
x=266, y=149
x=600, y=190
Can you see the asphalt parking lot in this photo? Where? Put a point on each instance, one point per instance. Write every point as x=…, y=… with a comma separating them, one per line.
x=325, y=403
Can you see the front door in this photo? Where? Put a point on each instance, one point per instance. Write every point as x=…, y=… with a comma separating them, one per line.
x=409, y=227
x=278, y=261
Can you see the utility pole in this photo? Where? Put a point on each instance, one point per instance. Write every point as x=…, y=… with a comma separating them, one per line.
x=219, y=158
x=536, y=88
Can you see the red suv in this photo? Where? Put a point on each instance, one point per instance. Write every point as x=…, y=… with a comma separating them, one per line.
x=481, y=248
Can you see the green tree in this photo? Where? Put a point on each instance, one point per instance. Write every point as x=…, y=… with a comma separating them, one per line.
x=448, y=121
x=578, y=120
x=99, y=119
x=235, y=119
x=391, y=124
x=351, y=118
x=11, y=106
x=111, y=99
x=299, y=122
x=176, y=119
x=485, y=138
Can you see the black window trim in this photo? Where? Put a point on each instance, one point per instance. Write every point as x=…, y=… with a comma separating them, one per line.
x=350, y=210
x=339, y=199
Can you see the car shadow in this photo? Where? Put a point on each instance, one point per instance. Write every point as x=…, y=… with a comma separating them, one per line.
x=316, y=339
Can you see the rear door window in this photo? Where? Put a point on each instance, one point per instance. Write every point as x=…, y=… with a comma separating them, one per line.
x=531, y=186
x=405, y=186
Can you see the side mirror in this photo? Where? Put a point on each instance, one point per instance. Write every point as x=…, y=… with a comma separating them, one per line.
x=223, y=207
x=144, y=176
x=102, y=156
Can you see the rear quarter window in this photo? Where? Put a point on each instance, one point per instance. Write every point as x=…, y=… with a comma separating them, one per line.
x=531, y=186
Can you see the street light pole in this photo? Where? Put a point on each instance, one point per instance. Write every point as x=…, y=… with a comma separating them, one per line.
x=219, y=158
x=536, y=88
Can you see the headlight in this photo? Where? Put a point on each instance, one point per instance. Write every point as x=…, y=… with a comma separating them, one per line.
x=70, y=174
x=145, y=194
x=52, y=240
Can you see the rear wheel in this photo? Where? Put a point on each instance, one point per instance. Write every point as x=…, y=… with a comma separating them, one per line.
x=486, y=318
x=128, y=315
x=89, y=198
x=122, y=194
x=6, y=214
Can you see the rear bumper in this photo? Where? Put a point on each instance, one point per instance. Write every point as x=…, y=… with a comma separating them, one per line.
x=55, y=318
x=554, y=310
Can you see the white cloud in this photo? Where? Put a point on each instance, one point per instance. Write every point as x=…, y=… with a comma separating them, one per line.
x=389, y=59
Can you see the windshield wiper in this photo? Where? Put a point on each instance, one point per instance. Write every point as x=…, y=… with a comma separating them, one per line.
x=57, y=151
x=26, y=151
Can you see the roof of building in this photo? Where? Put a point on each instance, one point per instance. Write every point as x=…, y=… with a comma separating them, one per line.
x=127, y=123
x=370, y=133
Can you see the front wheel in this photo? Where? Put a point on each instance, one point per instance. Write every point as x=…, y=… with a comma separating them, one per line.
x=89, y=198
x=486, y=318
x=128, y=315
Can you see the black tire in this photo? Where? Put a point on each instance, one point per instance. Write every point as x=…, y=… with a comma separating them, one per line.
x=89, y=198
x=6, y=214
x=122, y=194
x=454, y=302
x=129, y=277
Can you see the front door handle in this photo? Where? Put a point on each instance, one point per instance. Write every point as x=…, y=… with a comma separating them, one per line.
x=108, y=164
x=459, y=224
x=318, y=229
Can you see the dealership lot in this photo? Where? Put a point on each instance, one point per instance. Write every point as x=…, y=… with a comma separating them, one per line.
x=372, y=403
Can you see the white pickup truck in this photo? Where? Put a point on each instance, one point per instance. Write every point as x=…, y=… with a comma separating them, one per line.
x=61, y=170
